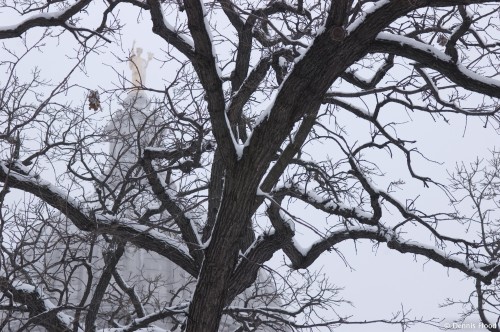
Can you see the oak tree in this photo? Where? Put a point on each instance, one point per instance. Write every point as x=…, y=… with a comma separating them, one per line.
x=263, y=108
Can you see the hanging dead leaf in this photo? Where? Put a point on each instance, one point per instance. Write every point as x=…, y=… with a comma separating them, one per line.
x=94, y=100
x=442, y=40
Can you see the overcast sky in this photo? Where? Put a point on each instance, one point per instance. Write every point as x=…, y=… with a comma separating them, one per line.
x=382, y=280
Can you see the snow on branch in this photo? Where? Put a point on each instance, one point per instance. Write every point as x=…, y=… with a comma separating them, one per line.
x=42, y=311
x=431, y=57
x=146, y=238
x=52, y=19
x=17, y=176
x=260, y=251
x=185, y=224
x=304, y=257
x=482, y=271
x=167, y=32
x=207, y=69
x=326, y=204
x=366, y=84
x=247, y=88
x=142, y=324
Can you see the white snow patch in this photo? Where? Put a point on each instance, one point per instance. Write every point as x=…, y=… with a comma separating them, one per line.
x=282, y=61
x=209, y=32
x=23, y=287
x=264, y=115
x=478, y=77
x=156, y=149
x=182, y=36
x=405, y=41
x=303, y=250
x=38, y=182
x=354, y=25
x=105, y=219
x=238, y=147
x=303, y=52
x=48, y=16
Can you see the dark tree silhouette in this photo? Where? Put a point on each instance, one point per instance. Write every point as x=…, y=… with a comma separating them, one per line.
x=223, y=151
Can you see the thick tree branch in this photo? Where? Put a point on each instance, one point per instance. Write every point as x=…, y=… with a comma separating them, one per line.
x=18, y=177
x=300, y=94
x=186, y=226
x=354, y=79
x=246, y=89
x=111, y=259
x=206, y=66
x=246, y=272
x=300, y=259
x=286, y=156
x=428, y=56
x=245, y=35
x=230, y=10
x=43, y=312
x=44, y=20
x=166, y=32
x=462, y=30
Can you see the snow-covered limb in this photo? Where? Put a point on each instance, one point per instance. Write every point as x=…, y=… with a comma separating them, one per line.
x=303, y=258
x=18, y=177
x=142, y=324
x=207, y=69
x=261, y=250
x=370, y=11
x=189, y=233
x=432, y=57
x=286, y=156
x=239, y=147
x=250, y=85
x=111, y=259
x=166, y=31
x=50, y=19
x=146, y=238
x=355, y=79
x=42, y=311
x=185, y=39
x=247, y=88
x=326, y=204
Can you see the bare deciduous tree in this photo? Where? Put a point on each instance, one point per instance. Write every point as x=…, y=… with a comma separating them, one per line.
x=208, y=169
